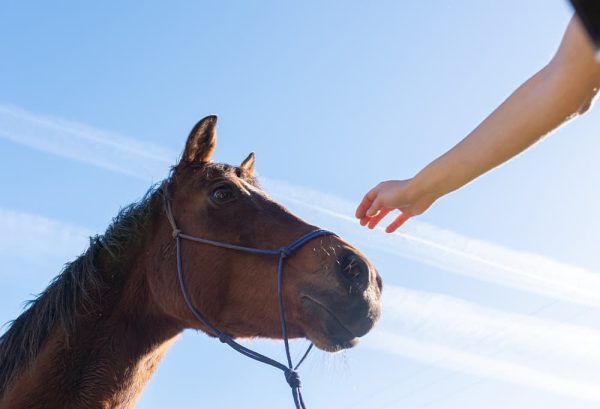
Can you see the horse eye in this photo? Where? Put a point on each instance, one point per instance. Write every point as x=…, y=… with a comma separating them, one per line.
x=223, y=194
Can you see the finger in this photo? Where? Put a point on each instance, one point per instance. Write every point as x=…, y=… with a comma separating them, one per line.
x=376, y=219
x=365, y=204
x=399, y=221
x=364, y=221
x=361, y=210
x=375, y=207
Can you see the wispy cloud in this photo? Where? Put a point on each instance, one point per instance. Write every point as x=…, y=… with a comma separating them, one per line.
x=453, y=321
x=484, y=366
x=444, y=249
x=446, y=332
x=26, y=236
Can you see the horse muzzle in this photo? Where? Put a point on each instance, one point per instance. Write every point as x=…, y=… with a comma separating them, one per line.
x=339, y=314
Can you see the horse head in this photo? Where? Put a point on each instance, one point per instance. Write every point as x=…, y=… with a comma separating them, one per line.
x=331, y=291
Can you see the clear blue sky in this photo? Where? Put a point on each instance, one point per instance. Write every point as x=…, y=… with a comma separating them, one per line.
x=333, y=97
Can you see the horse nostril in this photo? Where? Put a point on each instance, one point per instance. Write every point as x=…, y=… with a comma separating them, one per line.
x=354, y=271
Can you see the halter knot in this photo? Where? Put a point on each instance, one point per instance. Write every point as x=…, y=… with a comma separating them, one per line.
x=176, y=233
x=285, y=252
x=292, y=378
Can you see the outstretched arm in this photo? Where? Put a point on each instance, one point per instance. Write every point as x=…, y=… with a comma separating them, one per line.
x=559, y=92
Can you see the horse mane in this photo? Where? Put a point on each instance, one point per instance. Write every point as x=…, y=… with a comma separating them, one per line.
x=77, y=290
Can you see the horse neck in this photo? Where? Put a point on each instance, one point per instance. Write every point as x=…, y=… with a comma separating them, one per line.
x=105, y=359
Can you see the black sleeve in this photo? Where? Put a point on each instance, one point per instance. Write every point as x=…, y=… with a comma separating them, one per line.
x=588, y=12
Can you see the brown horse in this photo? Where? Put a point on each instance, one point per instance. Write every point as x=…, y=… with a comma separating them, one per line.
x=94, y=337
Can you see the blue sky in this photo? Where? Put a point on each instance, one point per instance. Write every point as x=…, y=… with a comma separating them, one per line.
x=490, y=297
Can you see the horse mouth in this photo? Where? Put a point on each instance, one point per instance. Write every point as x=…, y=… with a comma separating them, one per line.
x=326, y=330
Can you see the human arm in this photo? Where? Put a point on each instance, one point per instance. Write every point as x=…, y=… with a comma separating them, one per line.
x=563, y=89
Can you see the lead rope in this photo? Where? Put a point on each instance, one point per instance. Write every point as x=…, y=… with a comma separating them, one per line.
x=290, y=371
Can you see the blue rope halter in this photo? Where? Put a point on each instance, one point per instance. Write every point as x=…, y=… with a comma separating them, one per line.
x=291, y=376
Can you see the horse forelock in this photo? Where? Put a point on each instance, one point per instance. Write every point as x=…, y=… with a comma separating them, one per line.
x=210, y=170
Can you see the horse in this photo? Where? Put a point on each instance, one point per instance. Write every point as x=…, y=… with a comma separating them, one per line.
x=95, y=335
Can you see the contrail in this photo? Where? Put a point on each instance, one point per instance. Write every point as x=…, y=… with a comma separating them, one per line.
x=448, y=250
x=446, y=332
x=476, y=364
x=85, y=144
x=419, y=241
x=466, y=325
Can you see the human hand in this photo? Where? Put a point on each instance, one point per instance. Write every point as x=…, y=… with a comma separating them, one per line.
x=387, y=197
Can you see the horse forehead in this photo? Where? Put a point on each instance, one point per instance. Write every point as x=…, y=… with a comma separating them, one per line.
x=224, y=171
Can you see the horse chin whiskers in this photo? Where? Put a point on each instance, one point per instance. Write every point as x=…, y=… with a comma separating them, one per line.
x=333, y=348
x=330, y=334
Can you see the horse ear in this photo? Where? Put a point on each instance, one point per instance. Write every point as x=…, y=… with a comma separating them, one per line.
x=202, y=141
x=248, y=163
